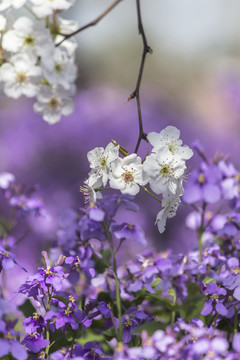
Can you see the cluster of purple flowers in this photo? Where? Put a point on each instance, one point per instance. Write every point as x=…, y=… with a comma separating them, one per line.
x=82, y=305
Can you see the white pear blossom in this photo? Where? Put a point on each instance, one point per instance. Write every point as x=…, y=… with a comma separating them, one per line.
x=43, y=8
x=20, y=76
x=59, y=69
x=90, y=195
x=127, y=174
x=169, y=137
x=6, y=179
x=170, y=205
x=66, y=27
x=5, y=4
x=30, y=36
x=100, y=161
x=53, y=102
x=165, y=171
x=3, y=23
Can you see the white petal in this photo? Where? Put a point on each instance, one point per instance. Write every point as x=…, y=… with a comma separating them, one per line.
x=67, y=106
x=11, y=42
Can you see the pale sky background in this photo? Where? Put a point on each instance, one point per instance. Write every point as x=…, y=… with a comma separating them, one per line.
x=179, y=26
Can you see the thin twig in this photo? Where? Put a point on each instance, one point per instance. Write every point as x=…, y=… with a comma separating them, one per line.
x=92, y=23
x=135, y=93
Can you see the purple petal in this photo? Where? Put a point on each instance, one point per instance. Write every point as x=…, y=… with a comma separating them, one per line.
x=18, y=350
x=236, y=342
x=236, y=293
x=135, y=286
x=221, y=309
x=207, y=308
x=96, y=214
x=233, y=262
x=192, y=194
x=4, y=347
x=211, y=193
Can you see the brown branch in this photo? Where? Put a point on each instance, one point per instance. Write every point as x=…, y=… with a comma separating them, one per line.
x=135, y=93
x=92, y=23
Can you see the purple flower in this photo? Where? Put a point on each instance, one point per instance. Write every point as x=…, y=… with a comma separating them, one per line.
x=14, y=347
x=35, y=323
x=43, y=280
x=216, y=298
x=34, y=342
x=231, y=226
x=210, y=347
x=104, y=309
x=7, y=260
x=229, y=184
x=91, y=229
x=66, y=315
x=27, y=204
x=128, y=231
x=90, y=351
x=203, y=185
x=236, y=342
x=82, y=261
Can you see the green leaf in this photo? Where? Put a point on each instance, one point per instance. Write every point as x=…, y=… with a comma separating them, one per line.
x=102, y=264
x=62, y=299
x=27, y=308
x=109, y=334
x=150, y=327
x=60, y=340
x=193, y=304
x=208, y=280
x=90, y=336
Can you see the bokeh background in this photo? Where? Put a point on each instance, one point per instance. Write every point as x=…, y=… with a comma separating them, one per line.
x=191, y=81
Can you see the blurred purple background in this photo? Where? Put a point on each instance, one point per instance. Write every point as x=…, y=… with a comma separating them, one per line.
x=196, y=89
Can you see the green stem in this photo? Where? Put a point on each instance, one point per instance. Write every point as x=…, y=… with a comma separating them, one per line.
x=104, y=188
x=3, y=283
x=200, y=234
x=149, y=192
x=201, y=231
x=30, y=11
x=236, y=320
x=117, y=285
x=174, y=312
x=47, y=327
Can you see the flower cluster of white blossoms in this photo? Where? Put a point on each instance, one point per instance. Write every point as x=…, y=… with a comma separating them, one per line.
x=30, y=62
x=163, y=170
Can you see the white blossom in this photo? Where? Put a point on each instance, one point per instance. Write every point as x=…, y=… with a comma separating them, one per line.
x=127, y=174
x=100, y=160
x=165, y=171
x=5, y=4
x=3, y=23
x=169, y=137
x=170, y=205
x=59, y=69
x=90, y=195
x=5, y=179
x=66, y=27
x=20, y=76
x=43, y=8
x=27, y=35
x=53, y=102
